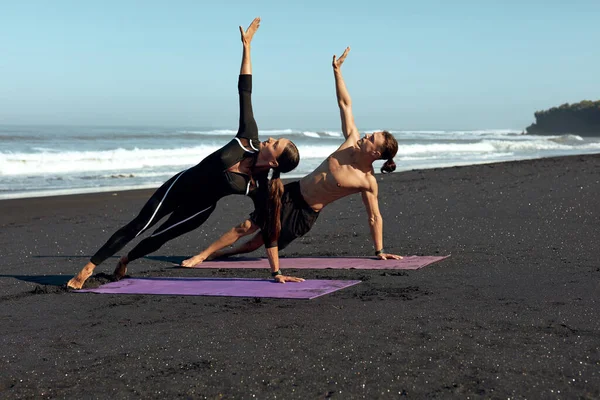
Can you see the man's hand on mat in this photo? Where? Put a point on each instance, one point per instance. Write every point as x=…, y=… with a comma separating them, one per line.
x=284, y=279
x=338, y=63
x=384, y=256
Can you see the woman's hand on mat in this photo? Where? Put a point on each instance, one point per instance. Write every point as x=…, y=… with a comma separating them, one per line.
x=337, y=64
x=385, y=256
x=285, y=278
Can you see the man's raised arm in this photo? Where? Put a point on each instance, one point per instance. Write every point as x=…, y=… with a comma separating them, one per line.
x=343, y=98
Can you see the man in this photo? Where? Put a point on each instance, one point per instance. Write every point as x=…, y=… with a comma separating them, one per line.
x=346, y=171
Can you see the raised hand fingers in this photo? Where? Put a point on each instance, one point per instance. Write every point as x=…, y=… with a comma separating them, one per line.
x=343, y=57
x=255, y=21
x=249, y=33
x=339, y=61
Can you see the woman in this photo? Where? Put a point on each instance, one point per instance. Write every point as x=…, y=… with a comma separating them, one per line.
x=239, y=167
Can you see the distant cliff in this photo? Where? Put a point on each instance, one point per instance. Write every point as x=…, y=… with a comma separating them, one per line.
x=581, y=118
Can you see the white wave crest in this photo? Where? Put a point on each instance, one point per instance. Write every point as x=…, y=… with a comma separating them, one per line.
x=111, y=160
x=311, y=134
x=227, y=132
x=233, y=132
x=316, y=152
x=445, y=148
x=275, y=132
x=216, y=132
x=494, y=148
x=479, y=132
x=484, y=132
x=566, y=138
x=536, y=145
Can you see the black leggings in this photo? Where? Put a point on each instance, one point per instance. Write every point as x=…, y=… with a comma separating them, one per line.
x=183, y=219
x=173, y=198
x=247, y=125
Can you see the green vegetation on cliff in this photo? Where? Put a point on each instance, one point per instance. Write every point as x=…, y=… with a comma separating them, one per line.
x=581, y=118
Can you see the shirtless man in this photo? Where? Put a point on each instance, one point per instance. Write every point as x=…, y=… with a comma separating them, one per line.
x=346, y=171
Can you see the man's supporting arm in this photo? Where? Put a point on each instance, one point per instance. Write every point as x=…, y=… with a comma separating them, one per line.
x=375, y=220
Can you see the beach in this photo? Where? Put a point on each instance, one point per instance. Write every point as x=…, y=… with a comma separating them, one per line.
x=512, y=313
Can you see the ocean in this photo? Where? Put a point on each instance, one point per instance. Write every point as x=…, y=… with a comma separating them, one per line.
x=51, y=160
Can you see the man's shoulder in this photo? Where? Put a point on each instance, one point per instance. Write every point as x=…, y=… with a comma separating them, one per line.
x=349, y=142
x=371, y=179
x=351, y=139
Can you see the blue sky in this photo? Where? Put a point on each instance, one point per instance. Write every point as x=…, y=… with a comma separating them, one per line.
x=413, y=64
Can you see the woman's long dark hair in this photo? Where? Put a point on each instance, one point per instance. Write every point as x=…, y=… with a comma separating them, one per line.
x=271, y=198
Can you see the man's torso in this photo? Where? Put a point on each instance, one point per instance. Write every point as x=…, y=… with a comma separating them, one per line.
x=335, y=178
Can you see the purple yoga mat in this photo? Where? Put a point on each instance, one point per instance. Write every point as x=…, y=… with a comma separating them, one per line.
x=408, y=262
x=236, y=287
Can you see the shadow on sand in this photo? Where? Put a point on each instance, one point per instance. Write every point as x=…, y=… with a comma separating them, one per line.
x=53, y=280
x=177, y=260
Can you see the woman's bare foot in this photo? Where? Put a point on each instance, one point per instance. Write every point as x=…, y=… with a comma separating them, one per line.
x=121, y=269
x=249, y=33
x=192, y=262
x=78, y=280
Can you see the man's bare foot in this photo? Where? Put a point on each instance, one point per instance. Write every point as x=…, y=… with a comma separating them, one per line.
x=192, y=262
x=249, y=33
x=78, y=280
x=121, y=269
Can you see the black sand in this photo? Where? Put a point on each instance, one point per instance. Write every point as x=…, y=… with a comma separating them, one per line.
x=513, y=313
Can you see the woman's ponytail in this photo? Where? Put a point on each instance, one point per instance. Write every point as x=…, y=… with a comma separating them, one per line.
x=273, y=191
x=273, y=224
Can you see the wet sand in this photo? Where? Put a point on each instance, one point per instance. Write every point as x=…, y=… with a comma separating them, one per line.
x=512, y=313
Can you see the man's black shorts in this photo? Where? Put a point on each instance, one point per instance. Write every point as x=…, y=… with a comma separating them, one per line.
x=297, y=217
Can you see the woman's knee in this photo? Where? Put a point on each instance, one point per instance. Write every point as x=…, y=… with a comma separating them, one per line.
x=245, y=228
